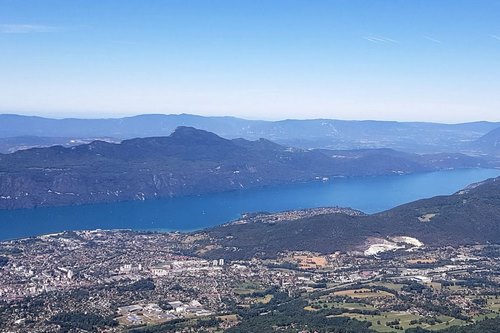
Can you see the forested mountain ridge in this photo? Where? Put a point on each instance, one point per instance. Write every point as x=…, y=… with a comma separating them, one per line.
x=469, y=216
x=188, y=162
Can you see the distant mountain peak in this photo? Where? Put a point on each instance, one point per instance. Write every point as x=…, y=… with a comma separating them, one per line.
x=307, y=134
x=490, y=142
x=187, y=134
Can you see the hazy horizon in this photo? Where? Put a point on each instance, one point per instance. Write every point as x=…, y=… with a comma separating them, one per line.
x=385, y=60
x=119, y=116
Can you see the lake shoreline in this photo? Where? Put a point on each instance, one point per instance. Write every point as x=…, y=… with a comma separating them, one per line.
x=185, y=214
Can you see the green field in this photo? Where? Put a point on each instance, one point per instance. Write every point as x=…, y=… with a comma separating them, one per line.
x=264, y=300
x=394, y=286
x=247, y=288
x=405, y=319
x=340, y=305
x=493, y=304
x=363, y=293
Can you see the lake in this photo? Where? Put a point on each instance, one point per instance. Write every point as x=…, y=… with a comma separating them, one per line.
x=369, y=194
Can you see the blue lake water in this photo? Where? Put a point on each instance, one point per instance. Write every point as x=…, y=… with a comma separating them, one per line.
x=369, y=194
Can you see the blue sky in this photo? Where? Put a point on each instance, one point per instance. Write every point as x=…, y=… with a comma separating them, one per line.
x=423, y=60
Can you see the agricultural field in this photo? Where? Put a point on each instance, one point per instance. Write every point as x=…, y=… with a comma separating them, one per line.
x=363, y=293
x=380, y=322
x=394, y=286
x=248, y=288
x=494, y=304
x=339, y=305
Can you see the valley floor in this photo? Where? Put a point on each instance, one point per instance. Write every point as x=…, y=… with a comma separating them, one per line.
x=114, y=281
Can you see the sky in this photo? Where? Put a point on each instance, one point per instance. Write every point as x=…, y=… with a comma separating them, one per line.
x=418, y=60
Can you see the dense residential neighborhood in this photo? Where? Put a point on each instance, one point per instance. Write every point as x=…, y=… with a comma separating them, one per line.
x=121, y=280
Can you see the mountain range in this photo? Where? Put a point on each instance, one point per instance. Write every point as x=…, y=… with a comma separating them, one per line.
x=189, y=162
x=418, y=137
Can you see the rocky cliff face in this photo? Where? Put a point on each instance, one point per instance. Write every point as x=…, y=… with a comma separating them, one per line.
x=188, y=162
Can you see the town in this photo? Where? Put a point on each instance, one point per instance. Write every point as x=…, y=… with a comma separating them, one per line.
x=113, y=281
